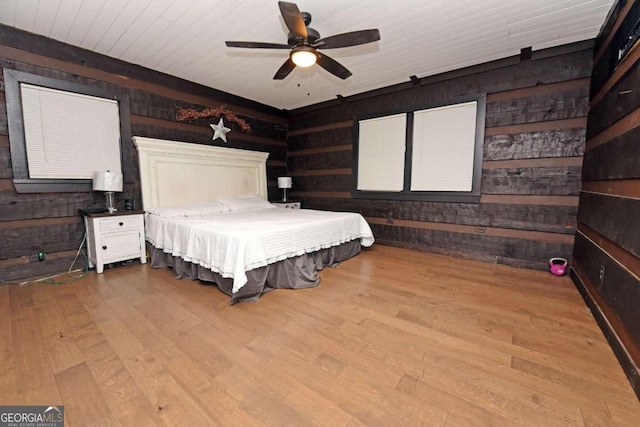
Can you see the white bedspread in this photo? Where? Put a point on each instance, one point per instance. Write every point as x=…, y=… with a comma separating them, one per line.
x=231, y=243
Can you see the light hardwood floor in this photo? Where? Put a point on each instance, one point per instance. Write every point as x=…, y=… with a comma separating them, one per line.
x=392, y=337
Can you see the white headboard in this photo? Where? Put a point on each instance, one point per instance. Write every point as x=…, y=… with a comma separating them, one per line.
x=178, y=173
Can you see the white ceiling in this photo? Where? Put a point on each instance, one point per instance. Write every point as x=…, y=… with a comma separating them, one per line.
x=185, y=38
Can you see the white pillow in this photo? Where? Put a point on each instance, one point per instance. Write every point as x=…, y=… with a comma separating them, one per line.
x=248, y=202
x=203, y=208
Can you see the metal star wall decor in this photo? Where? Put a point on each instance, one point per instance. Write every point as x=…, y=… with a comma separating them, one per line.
x=219, y=131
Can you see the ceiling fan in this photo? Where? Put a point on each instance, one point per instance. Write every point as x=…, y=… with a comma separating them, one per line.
x=304, y=43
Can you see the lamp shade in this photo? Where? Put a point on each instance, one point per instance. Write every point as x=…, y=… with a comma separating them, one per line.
x=107, y=181
x=284, y=182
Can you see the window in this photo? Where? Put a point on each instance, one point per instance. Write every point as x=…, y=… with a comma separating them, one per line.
x=61, y=132
x=443, y=148
x=385, y=152
x=60, y=127
x=430, y=154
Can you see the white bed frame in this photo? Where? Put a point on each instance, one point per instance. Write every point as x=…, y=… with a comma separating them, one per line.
x=178, y=173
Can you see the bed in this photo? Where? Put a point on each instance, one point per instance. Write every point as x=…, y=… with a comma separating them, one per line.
x=207, y=218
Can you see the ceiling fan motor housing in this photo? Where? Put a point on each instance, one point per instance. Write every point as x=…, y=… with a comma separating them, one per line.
x=312, y=34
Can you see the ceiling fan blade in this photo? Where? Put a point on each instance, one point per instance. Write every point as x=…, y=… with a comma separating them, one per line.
x=293, y=19
x=332, y=66
x=353, y=38
x=258, y=45
x=284, y=71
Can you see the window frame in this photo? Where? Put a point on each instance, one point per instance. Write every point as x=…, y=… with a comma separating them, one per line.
x=22, y=182
x=472, y=196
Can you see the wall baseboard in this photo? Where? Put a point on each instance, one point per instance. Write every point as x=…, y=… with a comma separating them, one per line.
x=627, y=362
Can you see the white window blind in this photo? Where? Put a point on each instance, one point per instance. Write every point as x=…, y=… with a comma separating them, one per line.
x=443, y=148
x=68, y=135
x=381, y=151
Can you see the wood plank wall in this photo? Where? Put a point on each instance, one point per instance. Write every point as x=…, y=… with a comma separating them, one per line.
x=534, y=142
x=51, y=222
x=606, y=265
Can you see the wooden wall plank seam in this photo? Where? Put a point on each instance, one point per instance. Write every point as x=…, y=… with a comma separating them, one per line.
x=547, y=89
x=325, y=138
x=342, y=171
x=629, y=188
x=320, y=150
x=337, y=125
x=625, y=124
x=620, y=255
x=553, y=162
x=16, y=273
x=276, y=163
x=545, y=200
x=41, y=222
x=471, y=229
x=324, y=182
x=4, y=263
x=580, y=122
x=559, y=181
x=614, y=217
x=332, y=194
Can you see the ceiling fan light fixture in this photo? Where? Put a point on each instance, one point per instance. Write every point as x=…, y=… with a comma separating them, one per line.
x=304, y=56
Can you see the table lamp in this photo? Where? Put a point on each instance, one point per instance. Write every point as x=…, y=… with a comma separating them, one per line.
x=284, y=182
x=109, y=182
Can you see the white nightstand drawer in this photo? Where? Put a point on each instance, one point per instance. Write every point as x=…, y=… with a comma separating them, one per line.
x=120, y=223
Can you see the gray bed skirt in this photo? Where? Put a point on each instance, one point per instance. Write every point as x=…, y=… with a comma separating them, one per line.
x=292, y=273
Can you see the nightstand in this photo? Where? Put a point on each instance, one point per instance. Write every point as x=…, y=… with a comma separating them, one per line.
x=115, y=237
x=288, y=205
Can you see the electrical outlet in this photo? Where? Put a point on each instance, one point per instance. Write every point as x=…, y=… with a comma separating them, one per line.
x=38, y=256
x=601, y=275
